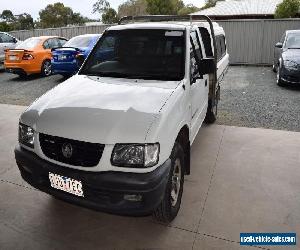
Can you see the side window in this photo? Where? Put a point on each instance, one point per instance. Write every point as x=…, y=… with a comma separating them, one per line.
x=195, y=55
x=61, y=42
x=221, y=47
x=195, y=41
x=206, y=41
x=51, y=43
x=46, y=45
x=108, y=43
x=7, y=39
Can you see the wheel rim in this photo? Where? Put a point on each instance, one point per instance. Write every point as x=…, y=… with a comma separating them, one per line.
x=176, y=182
x=277, y=76
x=47, y=68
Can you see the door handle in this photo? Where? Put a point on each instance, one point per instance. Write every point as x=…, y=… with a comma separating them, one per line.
x=205, y=82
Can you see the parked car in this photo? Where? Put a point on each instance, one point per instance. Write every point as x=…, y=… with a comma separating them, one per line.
x=287, y=58
x=117, y=135
x=32, y=56
x=68, y=59
x=7, y=41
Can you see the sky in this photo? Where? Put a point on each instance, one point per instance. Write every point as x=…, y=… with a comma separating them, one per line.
x=83, y=6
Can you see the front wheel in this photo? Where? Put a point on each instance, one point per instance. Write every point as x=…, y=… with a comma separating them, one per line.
x=46, y=68
x=278, y=78
x=170, y=204
x=274, y=68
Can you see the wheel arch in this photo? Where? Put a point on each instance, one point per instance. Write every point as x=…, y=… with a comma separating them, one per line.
x=183, y=138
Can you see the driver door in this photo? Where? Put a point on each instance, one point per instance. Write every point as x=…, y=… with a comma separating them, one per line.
x=199, y=85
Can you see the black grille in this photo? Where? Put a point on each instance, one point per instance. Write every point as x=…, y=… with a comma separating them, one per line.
x=84, y=154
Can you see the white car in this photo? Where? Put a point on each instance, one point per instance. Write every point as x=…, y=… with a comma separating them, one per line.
x=7, y=41
x=116, y=136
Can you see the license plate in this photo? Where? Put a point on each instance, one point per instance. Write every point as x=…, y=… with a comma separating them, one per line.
x=13, y=58
x=62, y=57
x=66, y=184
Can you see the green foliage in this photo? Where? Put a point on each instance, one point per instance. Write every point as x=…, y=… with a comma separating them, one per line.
x=287, y=9
x=101, y=6
x=4, y=27
x=110, y=16
x=133, y=8
x=15, y=22
x=24, y=22
x=211, y=3
x=57, y=15
x=169, y=7
x=188, y=9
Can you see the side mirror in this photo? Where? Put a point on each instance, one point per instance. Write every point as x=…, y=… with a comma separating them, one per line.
x=80, y=58
x=207, y=66
x=15, y=40
x=279, y=45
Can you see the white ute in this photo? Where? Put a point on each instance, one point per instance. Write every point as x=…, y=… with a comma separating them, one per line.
x=116, y=136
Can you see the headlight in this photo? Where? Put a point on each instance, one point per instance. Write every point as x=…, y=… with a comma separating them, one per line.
x=290, y=65
x=135, y=155
x=26, y=135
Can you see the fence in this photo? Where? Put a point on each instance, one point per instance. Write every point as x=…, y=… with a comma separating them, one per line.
x=248, y=41
x=253, y=41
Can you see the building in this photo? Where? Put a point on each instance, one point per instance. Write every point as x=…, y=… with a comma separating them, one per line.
x=241, y=9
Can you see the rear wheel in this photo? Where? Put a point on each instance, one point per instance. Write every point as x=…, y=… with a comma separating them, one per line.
x=170, y=205
x=46, y=68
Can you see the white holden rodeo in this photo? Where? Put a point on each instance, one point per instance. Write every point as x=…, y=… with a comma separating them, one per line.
x=116, y=136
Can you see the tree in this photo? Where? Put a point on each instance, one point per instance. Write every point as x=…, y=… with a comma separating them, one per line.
x=133, y=8
x=4, y=27
x=24, y=22
x=110, y=16
x=287, y=9
x=210, y=3
x=164, y=7
x=188, y=9
x=8, y=16
x=57, y=15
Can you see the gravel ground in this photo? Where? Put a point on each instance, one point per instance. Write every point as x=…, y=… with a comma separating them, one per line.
x=250, y=97
x=17, y=91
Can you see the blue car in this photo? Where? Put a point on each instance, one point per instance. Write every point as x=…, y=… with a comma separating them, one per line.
x=67, y=60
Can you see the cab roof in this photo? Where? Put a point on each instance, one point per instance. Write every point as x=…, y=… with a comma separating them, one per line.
x=164, y=25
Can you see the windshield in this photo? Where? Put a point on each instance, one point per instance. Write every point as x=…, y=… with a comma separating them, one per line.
x=293, y=41
x=78, y=42
x=29, y=43
x=138, y=54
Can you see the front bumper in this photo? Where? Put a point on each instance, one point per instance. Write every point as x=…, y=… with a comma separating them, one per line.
x=103, y=191
x=290, y=76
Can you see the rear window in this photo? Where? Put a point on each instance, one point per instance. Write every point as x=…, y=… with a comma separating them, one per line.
x=79, y=42
x=29, y=43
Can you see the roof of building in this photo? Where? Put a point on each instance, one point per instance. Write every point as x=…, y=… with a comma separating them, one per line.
x=241, y=8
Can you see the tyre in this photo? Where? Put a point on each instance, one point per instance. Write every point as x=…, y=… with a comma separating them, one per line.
x=211, y=113
x=46, y=68
x=274, y=68
x=170, y=204
x=278, y=78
